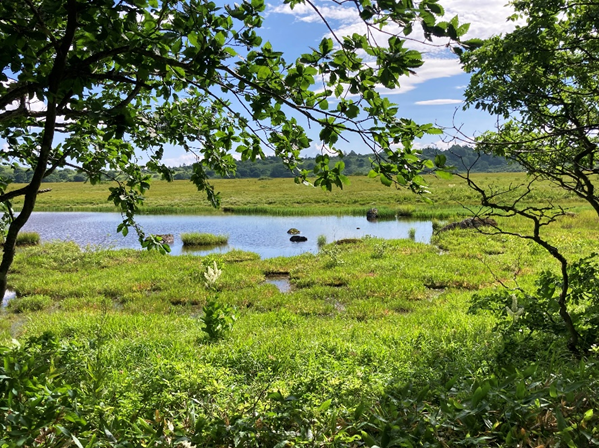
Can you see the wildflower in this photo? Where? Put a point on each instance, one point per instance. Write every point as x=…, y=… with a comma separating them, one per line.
x=186, y=444
x=211, y=275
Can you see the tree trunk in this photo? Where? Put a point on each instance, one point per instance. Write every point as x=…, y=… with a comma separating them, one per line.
x=54, y=80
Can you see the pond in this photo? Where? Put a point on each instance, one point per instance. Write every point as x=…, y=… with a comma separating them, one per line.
x=265, y=235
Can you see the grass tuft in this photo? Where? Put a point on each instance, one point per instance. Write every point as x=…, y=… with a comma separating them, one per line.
x=27, y=239
x=29, y=303
x=203, y=239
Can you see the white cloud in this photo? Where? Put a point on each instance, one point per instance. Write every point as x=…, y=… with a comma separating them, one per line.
x=486, y=18
x=433, y=68
x=438, y=102
x=439, y=144
x=184, y=159
x=305, y=13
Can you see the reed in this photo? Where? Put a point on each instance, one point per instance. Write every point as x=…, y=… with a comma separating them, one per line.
x=203, y=239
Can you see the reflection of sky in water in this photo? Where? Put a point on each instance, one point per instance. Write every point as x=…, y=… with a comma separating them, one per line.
x=265, y=235
x=8, y=295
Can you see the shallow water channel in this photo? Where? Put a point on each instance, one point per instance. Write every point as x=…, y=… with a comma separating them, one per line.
x=265, y=235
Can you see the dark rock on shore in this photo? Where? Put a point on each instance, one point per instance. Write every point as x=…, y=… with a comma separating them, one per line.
x=470, y=223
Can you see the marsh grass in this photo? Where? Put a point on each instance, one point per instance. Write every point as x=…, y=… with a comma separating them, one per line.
x=362, y=321
x=27, y=239
x=28, y=304
x=204, y=239
x=284, y=197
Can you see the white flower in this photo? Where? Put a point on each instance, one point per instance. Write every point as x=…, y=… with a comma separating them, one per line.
x=211, y=275
x=186, y=444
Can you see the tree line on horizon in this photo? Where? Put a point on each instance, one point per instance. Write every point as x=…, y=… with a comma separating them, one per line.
x=458, y=156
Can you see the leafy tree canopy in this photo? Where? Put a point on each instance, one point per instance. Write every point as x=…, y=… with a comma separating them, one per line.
x=543, y=79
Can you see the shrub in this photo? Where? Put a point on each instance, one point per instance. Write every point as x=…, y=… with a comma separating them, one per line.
x=203, y=239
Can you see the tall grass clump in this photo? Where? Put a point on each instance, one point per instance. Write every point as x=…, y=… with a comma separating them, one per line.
x=203, y=239
x=405, y=211
x=321, y=241
x=412, y=233
x=27, y=239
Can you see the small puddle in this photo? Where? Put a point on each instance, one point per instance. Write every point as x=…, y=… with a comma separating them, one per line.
x=8, y=295
x=280, y=281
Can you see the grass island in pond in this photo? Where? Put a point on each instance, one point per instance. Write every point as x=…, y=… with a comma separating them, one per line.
x=203, y=239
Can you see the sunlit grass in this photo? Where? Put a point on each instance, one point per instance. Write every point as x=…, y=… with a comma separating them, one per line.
x=27, y=239
x=284, y=197
x=203, y=239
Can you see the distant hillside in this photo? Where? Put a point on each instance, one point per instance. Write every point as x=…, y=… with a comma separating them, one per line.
x=355, y=165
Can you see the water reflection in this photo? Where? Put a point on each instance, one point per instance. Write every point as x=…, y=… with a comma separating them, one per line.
x=264, y=235
x=280, y=281
x=8, y=295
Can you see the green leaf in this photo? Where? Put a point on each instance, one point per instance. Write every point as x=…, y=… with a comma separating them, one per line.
x=561, y=422
x=220, y=39
x=440, y=160
x=325, y=405
x=193, y=39
x=386, y=181
x=326, y=45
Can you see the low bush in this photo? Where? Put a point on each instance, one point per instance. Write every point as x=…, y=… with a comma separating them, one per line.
x=203, y=239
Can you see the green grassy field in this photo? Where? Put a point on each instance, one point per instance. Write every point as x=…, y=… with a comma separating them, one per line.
x=372, y=346
x=284, y=197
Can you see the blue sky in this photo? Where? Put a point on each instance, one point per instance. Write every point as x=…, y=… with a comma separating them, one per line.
x=434, y=95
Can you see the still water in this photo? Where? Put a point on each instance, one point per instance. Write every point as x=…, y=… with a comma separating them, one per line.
x=264, y=235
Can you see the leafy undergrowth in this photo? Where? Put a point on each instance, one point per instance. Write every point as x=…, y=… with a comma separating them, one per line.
x=372, y=347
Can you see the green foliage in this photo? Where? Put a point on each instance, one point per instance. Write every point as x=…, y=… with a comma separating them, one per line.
x=218, y=319
x=538, y=310
x=29, y=303
x=512, y=408
x=542, y=79
x=28, y=238
x=374, y=350
x=35, y=402
x=321, y=241
x=123, y=79
x=380, y=249
x=273, y=167
x=412, y=233
x=203, y=239
x=331, y=255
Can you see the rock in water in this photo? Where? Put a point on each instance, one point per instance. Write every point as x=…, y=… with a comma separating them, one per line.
x=298, y=239
x=293, y=231
x=372, y=214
